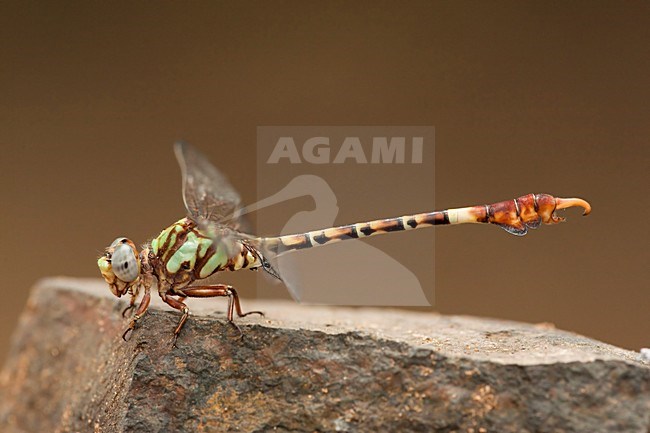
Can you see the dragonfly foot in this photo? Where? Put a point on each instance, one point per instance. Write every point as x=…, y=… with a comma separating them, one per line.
x=174, y=339
x=126, y=336
x=127, y=333
x=252, y=312
x=127, y=309
x=237, y=328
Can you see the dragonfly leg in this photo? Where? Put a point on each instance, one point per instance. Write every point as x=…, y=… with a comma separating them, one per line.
x=138, y=314
x=179, y=305
x=220, y=290
x=131, y=305
x=146, y=280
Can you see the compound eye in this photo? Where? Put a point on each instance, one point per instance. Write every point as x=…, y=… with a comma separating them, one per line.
x=125, y=263
x=118, y=241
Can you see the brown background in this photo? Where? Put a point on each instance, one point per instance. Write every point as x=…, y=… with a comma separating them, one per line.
x=525, y=97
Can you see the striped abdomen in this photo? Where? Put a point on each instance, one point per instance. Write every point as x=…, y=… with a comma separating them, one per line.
x=514, y=216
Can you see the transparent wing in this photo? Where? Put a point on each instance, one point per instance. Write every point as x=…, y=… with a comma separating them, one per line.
x=207, y=194
x=349, y=273
x=352, y=272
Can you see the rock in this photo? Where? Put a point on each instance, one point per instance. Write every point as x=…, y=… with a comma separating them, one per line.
x=306, y=369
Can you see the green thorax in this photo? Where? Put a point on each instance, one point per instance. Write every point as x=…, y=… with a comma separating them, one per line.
x=184, y=245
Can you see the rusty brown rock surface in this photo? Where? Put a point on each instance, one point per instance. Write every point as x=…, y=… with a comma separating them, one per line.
x=307, y=369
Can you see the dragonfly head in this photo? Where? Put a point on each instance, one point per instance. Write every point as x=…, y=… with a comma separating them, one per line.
x=120, y=266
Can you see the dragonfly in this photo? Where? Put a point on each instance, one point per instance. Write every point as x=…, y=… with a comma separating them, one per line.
x=181, y=259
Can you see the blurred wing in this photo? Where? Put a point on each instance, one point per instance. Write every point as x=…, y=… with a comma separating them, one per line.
x=349, y=273
x=345, y=273
x=207, y=194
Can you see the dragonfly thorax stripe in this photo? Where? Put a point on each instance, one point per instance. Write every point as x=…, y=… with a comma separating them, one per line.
x=183, y=247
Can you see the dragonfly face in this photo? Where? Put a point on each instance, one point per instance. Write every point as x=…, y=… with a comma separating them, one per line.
x=120, y=266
